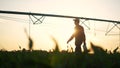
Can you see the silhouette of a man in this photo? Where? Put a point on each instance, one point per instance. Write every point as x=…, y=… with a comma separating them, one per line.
x=79, y=36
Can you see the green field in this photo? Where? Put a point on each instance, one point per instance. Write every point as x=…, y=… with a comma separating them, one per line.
x=43, y=59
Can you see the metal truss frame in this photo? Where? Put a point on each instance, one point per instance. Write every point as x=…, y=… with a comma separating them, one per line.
x=37, y=20
x=83, y=22
x=109, y=30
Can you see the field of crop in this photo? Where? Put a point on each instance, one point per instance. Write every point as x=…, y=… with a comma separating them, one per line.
x=56, y=59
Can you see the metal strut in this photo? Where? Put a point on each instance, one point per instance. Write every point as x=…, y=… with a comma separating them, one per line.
x=36, y=19
x=115, y=25
x=83, y=22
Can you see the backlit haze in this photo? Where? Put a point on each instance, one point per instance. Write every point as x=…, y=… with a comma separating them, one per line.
x=12, y=27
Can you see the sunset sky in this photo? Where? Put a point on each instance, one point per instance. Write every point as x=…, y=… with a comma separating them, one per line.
x=12, y=27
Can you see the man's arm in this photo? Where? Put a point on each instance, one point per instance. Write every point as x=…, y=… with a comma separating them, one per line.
x=70, y=38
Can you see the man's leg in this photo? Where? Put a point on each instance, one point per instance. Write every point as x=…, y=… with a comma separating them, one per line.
x=78, y=49
x=85, y=48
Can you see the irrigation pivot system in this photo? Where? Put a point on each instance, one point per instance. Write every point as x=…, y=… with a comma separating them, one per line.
x=53, y=15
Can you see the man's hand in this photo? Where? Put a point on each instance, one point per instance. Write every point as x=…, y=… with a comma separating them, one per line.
x=70, y=38
x=68, y=41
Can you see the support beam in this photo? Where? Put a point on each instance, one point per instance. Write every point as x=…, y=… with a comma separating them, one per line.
x=53, y=15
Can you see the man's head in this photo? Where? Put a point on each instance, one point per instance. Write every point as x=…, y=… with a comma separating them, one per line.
x=76, y=21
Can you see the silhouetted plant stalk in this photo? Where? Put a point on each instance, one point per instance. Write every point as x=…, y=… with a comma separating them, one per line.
x=30, y=44
x=100, y=50
x=57, y=49
x=69, y=48
x=115, y=50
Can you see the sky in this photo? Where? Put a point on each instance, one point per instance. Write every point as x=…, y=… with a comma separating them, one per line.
x=12, y=27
